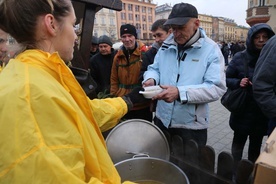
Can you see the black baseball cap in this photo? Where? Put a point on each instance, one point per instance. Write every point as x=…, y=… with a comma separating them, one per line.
x=181, y=14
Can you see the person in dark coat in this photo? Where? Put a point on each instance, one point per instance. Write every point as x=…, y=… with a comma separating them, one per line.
x=251, y=122
x=264, y=82
x=237, y=47
x=225, y=52
x=160, y=32
x=94, y=47
x=101, y=64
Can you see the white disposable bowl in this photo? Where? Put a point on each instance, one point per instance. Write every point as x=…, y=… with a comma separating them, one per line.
x=151, y=91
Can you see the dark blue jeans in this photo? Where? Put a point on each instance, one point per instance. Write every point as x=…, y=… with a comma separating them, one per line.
x=200, y=136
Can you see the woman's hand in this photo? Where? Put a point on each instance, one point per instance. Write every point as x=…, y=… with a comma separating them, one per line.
x=245, y=82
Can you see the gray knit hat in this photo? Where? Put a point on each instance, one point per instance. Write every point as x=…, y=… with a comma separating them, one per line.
x=94, y=40
x=105, y=39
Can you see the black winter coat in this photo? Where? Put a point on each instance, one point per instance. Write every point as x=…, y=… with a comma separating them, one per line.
x=100, y=69
x=252, y=119
x=265, y=79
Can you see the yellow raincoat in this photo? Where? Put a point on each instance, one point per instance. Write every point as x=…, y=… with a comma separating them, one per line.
x=50, y=131
x=2, y=67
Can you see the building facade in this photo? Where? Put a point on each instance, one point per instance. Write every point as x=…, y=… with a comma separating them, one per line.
x=229, y=30
x=262, y=11
x=163, y=11
x=218, y=29
x=241, y=33
x=105, y=23
x=206, y=23
x=141, y=14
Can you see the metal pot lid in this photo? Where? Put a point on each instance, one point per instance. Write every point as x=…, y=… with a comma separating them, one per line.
x=137, y=138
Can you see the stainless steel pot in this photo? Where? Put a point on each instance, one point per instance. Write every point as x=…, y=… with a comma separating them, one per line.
x=135, y=137
x=146, y=170
x=140, y=152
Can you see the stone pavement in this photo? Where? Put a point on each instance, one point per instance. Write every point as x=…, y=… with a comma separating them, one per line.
x=220, y=134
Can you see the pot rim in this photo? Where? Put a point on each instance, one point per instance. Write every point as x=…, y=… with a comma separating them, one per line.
x=127, y=169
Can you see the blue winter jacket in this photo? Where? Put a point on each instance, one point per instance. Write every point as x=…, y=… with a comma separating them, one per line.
x=199, y=76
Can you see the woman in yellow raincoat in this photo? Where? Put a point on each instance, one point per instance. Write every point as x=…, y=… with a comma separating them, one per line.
x=50, y=131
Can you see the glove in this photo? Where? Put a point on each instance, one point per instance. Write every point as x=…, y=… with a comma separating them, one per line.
x=135, y=96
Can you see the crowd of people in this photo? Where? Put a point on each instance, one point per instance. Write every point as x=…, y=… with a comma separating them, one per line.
x=230, y=49
x=57, y=133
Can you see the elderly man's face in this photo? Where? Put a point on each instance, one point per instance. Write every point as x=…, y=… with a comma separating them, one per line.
x=104, y=49
x=183, y=33
x=3, y=44
x=128, y=41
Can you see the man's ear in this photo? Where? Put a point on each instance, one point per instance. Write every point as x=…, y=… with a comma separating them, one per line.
x=197, y=22
x=50, y=24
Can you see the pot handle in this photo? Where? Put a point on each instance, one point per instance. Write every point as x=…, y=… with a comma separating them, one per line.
x=137, y=154
x=140, y=155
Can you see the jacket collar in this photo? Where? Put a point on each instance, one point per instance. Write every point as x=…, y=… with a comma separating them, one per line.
x=136, y=52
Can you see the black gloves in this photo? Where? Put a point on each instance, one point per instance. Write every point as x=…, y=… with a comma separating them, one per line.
x=134, y=97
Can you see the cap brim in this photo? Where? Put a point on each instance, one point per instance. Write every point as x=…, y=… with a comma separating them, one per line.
x=177, y=21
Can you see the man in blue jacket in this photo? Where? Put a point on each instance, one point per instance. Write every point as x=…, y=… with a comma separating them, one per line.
x=189, y=67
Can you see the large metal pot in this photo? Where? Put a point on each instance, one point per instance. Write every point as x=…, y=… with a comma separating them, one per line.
x=150, y=171
x=140, y=152
x=135, y=137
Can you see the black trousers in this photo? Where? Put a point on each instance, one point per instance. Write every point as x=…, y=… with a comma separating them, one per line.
x=200, y=136
x=255, y=143
x=271, y=125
